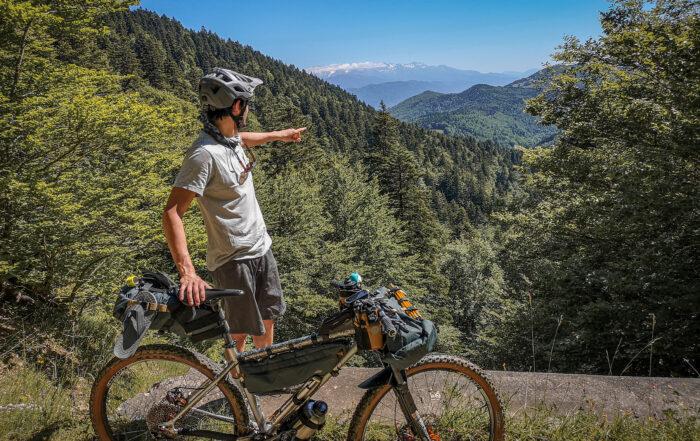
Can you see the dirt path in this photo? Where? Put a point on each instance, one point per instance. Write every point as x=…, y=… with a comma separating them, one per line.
x=639, y=396
x=519, y=391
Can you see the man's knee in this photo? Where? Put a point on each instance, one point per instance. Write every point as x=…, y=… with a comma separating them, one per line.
x=240, y=341
x=261, y=341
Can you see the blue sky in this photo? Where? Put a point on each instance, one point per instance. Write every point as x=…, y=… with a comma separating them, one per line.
x=487, y=35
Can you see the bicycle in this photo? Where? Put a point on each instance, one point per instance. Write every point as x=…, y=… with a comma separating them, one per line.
x=169, y=392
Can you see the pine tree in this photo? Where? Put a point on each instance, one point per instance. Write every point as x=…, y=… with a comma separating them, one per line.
x=399, y=177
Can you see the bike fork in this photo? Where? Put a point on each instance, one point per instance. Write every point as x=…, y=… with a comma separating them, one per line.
x=408, y=406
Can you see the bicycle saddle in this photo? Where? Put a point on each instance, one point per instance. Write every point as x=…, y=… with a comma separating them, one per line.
x=215, y=293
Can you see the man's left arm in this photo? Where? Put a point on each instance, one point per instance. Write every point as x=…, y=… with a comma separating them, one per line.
x=251, y=139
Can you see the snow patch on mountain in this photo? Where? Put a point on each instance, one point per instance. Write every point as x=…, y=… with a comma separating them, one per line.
x=332, y=69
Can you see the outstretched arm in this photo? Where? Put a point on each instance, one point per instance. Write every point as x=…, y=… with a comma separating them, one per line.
x=251, y=139
x=191, y=285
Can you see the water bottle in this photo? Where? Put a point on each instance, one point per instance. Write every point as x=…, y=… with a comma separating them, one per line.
x=312, y=417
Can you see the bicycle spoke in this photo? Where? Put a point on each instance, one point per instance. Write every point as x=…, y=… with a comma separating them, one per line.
x=448, y=402
x=146, y=394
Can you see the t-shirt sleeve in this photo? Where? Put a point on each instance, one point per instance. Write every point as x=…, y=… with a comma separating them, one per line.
x=196, y=171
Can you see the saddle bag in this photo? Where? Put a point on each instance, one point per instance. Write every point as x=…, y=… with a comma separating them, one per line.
x=155, y=296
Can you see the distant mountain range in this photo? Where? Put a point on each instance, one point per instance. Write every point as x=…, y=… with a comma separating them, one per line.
x=392, y=83
x=482, y=111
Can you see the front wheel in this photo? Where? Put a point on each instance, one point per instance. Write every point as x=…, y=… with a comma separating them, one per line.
x=454, y=398
x=132, y=397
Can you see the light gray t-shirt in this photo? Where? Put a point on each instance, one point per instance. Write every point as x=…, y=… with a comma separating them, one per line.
x=235, y=226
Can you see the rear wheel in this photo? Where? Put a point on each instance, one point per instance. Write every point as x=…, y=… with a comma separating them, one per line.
x=131, y=397
x=453, y=396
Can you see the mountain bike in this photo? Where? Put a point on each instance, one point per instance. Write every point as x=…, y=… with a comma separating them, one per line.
x=170, y=392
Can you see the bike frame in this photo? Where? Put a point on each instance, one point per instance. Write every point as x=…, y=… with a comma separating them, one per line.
x=296, y=401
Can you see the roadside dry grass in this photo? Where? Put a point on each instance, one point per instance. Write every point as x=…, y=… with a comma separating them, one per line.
x=32, y=407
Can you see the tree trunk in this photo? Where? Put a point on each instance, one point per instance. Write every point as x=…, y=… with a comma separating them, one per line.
x=18, y=67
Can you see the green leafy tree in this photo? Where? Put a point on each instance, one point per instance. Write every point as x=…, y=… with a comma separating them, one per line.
x=480, y=305
x=399, y=177
x=85, y=173
x=606, y=233
x=366, y=236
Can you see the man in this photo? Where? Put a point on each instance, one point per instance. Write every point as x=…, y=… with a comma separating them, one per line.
x=217, y=171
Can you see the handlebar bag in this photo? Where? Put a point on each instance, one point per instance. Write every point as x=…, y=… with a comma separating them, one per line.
x=292, y=367
x=414, y=337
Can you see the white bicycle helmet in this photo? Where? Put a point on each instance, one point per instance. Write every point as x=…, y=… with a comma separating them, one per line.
x=221, y=87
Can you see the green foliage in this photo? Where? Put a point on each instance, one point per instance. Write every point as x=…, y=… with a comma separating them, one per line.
x=327, y=220
x=399, y=177
x=545, y=424
x=85, y=170
x=478, y=303
x=604, y=235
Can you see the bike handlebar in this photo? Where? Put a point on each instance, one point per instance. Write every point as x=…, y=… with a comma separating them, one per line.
x=387, y=325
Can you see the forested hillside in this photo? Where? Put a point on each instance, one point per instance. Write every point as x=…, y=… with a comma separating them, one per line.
x=483, y=112
x=113, y=103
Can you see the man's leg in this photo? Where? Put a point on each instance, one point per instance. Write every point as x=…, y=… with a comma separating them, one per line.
x=240, y=341
x=268, y=297
x=265, y=340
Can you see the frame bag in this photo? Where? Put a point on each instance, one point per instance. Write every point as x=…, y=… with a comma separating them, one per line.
x=279, y=371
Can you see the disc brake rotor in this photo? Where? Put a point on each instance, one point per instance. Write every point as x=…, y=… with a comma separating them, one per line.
x=406, y=433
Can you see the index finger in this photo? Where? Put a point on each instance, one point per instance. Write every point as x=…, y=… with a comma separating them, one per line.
x=300, y=130
x=181, y=294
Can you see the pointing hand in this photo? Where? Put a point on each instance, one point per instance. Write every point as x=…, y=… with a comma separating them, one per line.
x=291, y=135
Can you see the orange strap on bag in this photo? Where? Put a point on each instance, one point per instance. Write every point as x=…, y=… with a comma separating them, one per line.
x=406, y=305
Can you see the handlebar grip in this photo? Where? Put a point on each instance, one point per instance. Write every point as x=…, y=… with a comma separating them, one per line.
x=214, y=293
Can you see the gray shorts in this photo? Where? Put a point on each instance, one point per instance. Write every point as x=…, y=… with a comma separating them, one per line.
x=262, y=298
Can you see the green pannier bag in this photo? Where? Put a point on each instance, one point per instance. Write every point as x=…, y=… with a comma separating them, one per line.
x=293, y=367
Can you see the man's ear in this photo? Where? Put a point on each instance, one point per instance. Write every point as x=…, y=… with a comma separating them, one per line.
x=236, y=108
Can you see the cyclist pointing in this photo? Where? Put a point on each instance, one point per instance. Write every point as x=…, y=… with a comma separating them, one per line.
x=217, y=169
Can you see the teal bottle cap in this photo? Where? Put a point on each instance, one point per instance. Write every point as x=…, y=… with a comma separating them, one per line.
x=354, y=278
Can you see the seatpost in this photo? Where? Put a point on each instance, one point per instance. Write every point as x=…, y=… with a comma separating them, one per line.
x=230, y=351
x=231, y=355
